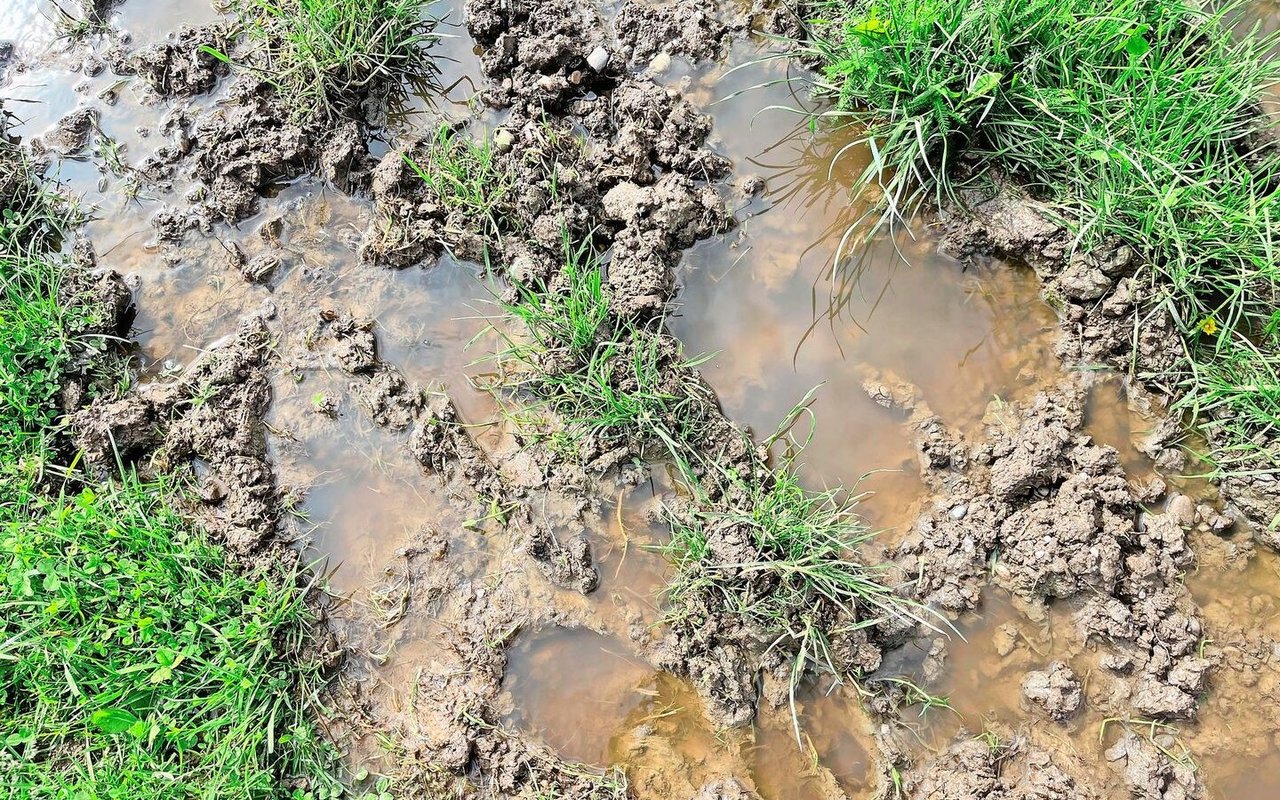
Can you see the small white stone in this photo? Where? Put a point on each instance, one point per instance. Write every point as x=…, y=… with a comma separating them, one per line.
x=660, y=63
x=599, y=58
x=959, y=511
x=502, y=140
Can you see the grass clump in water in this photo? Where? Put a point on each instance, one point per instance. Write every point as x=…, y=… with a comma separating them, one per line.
x=786, y=561
x=464, y=178
x=328, y=55
x=609, y=381
x=803, y=572
x=1135, y=120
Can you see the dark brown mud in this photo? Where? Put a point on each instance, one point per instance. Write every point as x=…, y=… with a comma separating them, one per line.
x=495, y=607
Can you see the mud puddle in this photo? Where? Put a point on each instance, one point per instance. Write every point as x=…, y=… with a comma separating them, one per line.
x=964, y=335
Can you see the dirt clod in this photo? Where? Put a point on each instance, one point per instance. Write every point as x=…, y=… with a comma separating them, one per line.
x=1055, y=690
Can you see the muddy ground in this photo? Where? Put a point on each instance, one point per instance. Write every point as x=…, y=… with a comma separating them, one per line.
x=304, y=305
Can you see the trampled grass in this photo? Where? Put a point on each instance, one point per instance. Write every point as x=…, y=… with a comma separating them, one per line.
x=1133, y=119
x=324, y=55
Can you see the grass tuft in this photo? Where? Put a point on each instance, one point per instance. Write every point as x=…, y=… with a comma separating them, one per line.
x=327, y=55
x=609, y=381
x=463, y=177
x=805, y=563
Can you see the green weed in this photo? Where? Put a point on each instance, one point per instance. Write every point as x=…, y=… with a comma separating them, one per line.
x=323, y=55
x=1135, y=120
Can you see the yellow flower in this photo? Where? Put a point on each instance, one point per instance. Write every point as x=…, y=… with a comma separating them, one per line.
x=1209, y=325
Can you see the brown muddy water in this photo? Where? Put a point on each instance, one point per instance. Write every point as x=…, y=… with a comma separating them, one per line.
x=766, y=301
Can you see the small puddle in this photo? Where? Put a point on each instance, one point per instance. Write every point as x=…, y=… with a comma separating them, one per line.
x=575, y=689
x=669, y=750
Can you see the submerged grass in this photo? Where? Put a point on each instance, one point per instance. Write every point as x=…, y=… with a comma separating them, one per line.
x=327, y=54
x=1136, y=120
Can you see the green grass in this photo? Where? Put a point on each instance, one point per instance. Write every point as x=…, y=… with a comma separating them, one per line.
x=135, y=661
x=327, y=55
x=38, y=323
x=461, y=175
x=1129, y=119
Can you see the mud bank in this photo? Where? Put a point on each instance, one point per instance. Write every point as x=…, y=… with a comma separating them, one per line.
x=1109, y=317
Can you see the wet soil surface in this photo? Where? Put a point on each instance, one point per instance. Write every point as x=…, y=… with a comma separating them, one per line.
x=310, y=327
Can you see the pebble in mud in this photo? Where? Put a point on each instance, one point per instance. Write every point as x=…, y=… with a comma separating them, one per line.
x=1182, y=510
x=1055, y=690
x=598, y=58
